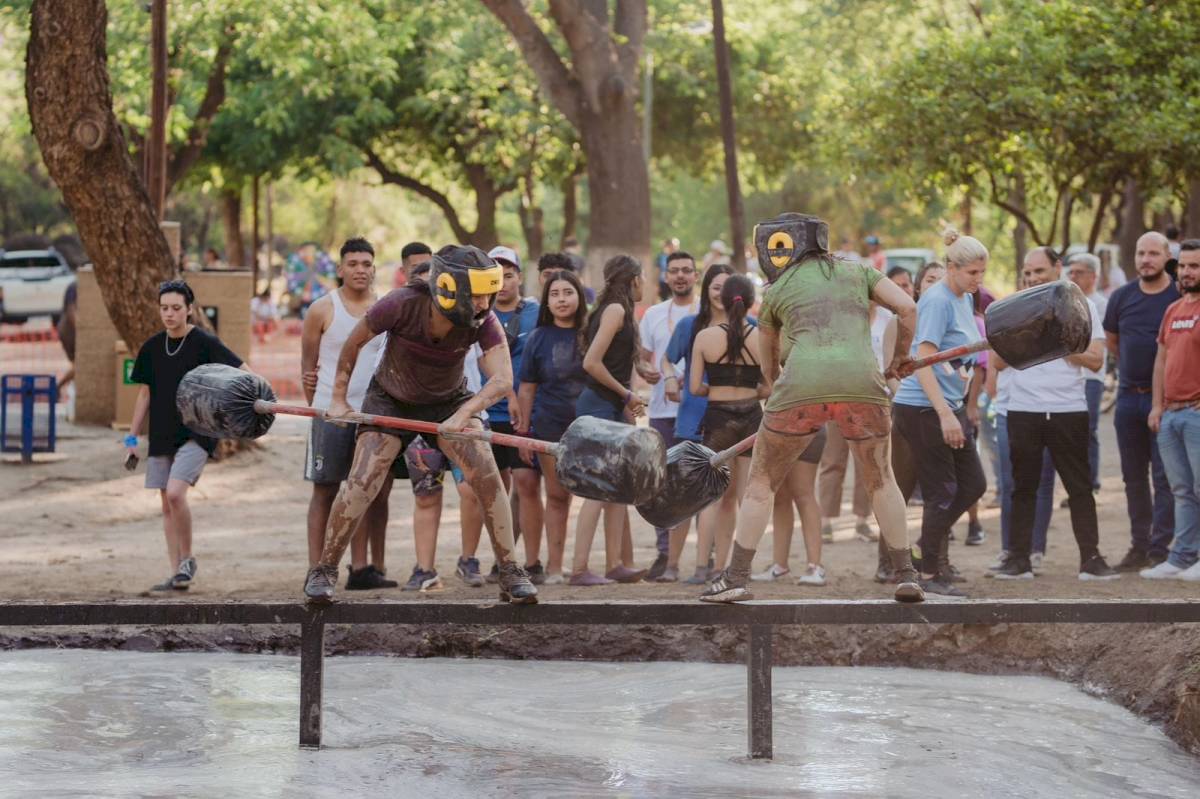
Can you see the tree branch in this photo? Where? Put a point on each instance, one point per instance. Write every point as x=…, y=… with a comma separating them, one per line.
x=551, y=72
x=389, y=175
x=214, y=96
x=630, y=24
x=1019, y=213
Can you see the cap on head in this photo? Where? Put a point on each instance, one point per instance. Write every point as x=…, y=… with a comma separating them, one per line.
x=787, y=240
x=457, y=273
x=507, y=255
x=873, y=240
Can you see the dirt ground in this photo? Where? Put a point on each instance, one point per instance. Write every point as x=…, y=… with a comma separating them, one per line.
x=82, y=527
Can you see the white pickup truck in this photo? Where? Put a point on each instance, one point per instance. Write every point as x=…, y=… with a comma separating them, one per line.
x=32, y=283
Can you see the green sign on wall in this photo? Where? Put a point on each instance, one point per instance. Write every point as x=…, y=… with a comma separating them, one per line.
x=127, y=372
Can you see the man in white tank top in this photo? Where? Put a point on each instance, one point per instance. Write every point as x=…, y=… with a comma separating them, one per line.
x=331, y=447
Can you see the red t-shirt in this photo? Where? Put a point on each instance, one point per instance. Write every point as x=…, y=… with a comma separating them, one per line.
x=415, y=368
x=1180, y=334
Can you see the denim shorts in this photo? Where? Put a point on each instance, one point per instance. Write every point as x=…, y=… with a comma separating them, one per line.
x=591, y=403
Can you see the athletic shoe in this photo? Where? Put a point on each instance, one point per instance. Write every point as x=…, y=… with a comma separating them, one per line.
x=423, y=581
x=998, y=563
x=1095, y=568
x=723, y=589
x=866, y=532
x=1157, y=558
x=623, y=574
x=1163, y=571
x=1134, y=561
x=537, y=574
x=813, y=575
x=942, y=586
x=699, y=577
x=775, y=572
x=669, y=575
x=183, y=575
x=587, y=578
x=1191, y=573
x=166, y=585
x=1016, y=567
x=975, y=534
x=493, y=576
x=954, y=574
x=367, y=578
x=468, y=571
x=554, y=579
x=1035, y=560
x=657, y=568
x=827, y=533
x=318, y=587
x=515, y=585
x=883, y=570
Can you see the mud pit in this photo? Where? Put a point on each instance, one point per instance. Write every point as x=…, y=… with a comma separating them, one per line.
x=83, y=528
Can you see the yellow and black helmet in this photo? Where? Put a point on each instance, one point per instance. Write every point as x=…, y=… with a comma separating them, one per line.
x=458, y=272
x=788, y=239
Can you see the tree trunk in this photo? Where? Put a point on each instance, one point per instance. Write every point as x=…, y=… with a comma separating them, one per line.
x=231, y=217
x=70, y=107
x=1021, y=231
x=1068, y=207
x=966, y=208
x=1133, y=225
x=254, y=236
x=533, y=224
x=619, y=193
x=733, y=191
x=487, y=197
x=570, y=210
x=1191, y=216
x=1098, y=219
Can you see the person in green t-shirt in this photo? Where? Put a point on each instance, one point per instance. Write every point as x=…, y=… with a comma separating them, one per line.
x=815, y=351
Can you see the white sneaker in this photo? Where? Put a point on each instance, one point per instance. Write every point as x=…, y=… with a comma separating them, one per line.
x=1035, y=562
x=998, y=563
x=1163, y=571
x=813, y=575
x=554, y=579
x=772, y=574
x=1192, y=573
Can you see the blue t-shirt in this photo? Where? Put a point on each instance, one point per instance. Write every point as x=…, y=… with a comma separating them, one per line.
x=516, y=347
x=553, y=361
x=945, y=321
x=691, y=408
x=1135, y=317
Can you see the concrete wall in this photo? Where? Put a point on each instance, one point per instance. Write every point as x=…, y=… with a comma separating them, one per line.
x=101, y=398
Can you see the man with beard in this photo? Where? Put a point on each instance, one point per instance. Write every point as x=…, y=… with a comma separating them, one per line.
x=1175, y=416
x=430, y=326
x=1131, y=323
x=657, y=326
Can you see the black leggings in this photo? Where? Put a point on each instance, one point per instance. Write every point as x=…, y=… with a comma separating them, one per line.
x=951, y=480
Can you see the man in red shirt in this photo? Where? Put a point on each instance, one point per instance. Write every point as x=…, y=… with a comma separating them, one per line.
x=1175, y=416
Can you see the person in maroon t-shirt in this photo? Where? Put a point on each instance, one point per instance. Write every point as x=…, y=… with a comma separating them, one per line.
x=1175, y=416
x=430, y=327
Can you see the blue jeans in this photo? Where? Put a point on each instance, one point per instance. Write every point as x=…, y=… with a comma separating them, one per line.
x=1044, y=508
x=1151, y=523
x=1095, y=391
x=1179, y=445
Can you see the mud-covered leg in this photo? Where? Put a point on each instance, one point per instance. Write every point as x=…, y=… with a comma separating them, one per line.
x=373, y=456
x=774, y=454
x=873, y=458
x=480, y=473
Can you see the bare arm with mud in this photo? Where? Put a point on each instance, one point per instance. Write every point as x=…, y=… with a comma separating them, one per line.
x=889, y=345
x=497, y=365
x=892, y=297
x=359, y=336
x=316, y=322
x=768, y=354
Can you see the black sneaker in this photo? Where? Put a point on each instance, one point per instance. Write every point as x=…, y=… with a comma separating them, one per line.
x=975, y=534
x=367, y=578
x=1015, y=567
x=942, y=586
x=166, y=585
x=318, y=587
x=657, y=568
x=493, y=576
x=1095, y=568
x=1134, y=560
x=183, y=575
x=515, y=585
x=536, y=572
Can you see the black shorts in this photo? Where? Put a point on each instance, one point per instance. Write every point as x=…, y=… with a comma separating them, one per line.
x=379, y=402
x=727, y=423
x=508, y=457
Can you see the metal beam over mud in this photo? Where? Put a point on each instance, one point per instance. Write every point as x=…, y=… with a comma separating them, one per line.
x=759, y=617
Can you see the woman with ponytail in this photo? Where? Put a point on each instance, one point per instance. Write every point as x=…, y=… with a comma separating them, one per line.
x=734, y=388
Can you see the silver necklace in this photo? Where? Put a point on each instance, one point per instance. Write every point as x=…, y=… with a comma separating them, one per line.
x=167, y=344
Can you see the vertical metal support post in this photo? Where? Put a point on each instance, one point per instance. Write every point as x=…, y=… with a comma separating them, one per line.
x=27, y=411
x=312, y=678
x=758, y=689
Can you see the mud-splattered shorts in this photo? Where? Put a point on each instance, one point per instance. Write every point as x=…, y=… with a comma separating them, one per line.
x=422, y=465
x=856, y=421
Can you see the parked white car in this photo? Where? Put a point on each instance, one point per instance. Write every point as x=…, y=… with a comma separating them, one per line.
x=912, y=258
x=32, y=283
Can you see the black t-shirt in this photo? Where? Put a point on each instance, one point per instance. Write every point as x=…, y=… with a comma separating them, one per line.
x=162, y=372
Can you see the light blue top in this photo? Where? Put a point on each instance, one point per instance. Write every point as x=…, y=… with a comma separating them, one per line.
x=944, y=321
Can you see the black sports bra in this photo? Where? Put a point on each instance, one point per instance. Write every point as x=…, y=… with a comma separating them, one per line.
x=734, y=375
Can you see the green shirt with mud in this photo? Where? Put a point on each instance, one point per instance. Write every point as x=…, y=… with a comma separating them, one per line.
x=820, y=310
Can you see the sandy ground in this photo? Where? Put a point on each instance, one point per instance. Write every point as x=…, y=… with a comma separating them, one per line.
x=83, y=527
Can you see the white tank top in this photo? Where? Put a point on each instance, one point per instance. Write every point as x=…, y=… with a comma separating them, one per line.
x=331, y=348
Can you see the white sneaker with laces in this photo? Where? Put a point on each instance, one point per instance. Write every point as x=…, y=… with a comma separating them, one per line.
x=813, y=575
x=776, y=572
x=1192, y=573
x=1163, y=571
x=1035, y=562
x=998, y=563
